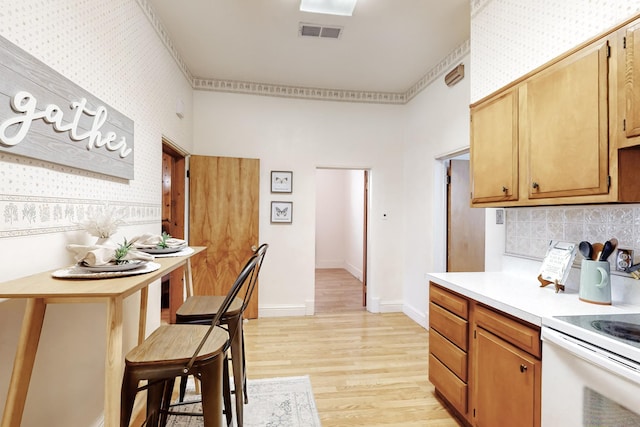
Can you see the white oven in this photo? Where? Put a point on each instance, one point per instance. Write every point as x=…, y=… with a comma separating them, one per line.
x=591, y=371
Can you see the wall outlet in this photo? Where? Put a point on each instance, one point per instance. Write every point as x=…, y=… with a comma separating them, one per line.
x=499, y=216
x=624, y=259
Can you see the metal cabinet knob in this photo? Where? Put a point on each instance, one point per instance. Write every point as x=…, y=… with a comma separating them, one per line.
x=505, y=190
x=535, y=185
x=523, y=368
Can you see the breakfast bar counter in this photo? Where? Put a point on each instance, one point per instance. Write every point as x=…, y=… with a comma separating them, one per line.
x=42, y=289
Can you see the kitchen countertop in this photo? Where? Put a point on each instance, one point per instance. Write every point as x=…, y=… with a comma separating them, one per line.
x=522, y=297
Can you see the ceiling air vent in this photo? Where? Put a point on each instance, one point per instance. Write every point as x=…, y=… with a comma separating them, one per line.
x=313, y=30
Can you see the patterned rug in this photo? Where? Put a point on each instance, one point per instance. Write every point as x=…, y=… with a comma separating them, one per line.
x=273, y=402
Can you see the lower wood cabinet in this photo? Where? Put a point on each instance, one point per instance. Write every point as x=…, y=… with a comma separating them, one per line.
x=486, y=364
x=448, y=343
x=506, y=384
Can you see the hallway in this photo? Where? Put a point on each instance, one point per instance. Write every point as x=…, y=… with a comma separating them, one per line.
x=337, y=291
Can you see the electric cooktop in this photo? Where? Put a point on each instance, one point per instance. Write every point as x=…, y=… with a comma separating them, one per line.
x=621, y=327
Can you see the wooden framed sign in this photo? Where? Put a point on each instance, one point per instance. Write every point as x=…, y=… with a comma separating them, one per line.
x=45, y=116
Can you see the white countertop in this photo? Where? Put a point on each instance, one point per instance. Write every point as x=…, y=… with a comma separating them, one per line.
x=523, y=297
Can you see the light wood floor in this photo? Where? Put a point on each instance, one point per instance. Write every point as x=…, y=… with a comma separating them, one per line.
x=366, y=369
x=337, y=291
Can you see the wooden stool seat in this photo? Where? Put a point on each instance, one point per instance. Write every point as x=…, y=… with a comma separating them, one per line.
x=177, y=343
x=202, y=308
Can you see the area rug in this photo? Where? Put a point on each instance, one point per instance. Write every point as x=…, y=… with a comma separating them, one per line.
x=273, y=402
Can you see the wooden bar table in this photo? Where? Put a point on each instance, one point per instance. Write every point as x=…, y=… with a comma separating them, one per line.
x=42, y=289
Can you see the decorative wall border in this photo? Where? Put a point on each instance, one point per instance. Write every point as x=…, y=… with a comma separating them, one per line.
x=283, y=91
x=298, y=92
x=164, y=37
x=28, y=215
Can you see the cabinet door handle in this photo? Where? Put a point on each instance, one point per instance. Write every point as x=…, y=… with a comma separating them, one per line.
x=523, y=368
x=505, y=190
x=535, y=185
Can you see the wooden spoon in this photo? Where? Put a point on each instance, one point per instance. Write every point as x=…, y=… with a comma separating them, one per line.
x=597, y=250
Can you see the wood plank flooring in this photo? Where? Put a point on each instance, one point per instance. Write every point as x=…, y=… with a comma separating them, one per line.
x=366, y=369
x=337, y=291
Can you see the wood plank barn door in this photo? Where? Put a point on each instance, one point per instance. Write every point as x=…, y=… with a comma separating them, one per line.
x=223, y=216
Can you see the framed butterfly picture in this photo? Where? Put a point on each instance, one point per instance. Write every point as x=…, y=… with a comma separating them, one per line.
x=281, y=212
x=281, y=181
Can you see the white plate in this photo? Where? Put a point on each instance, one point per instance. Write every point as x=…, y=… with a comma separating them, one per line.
x=114, y=267
x=162, y=250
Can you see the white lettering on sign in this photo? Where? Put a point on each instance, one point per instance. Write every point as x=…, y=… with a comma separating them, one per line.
x=26, y=103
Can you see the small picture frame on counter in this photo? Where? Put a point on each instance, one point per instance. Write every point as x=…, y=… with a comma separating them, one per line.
x=281, y=181
x=557, y=264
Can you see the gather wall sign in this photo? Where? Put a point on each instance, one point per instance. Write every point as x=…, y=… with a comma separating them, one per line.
x=45, y=116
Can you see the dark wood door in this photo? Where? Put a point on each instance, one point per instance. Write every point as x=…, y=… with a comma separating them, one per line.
x=465, y=225
x=173, y=203
x=223, y=216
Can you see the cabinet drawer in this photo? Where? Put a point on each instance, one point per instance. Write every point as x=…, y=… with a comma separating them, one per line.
x=454, y=390
x=450, y=355
x=452, y=302
x=449, y=325
x=522, y=336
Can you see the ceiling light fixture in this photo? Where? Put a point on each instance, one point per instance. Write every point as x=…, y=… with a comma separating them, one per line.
x=329, y=7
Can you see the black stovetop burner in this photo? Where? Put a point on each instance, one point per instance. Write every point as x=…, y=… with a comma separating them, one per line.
x=618, y=329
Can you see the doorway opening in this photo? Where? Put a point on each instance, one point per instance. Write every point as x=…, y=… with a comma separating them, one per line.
x=173, y=223
x=341, y=240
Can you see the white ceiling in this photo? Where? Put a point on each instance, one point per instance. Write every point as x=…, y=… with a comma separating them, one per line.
x=386, y=46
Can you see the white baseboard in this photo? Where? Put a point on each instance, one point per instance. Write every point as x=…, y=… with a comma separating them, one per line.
x=283, y=310
x=354, y=271
x=417, y=316
x=320, y=264
x=390, y=307
x=99, y=422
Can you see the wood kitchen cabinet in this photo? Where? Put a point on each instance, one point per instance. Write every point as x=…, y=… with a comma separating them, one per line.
x=564, y=126
x=629, y=87
x=575, y=131
x=448, y=343
x=494, y=149
x=485, y=364
x=507, y=376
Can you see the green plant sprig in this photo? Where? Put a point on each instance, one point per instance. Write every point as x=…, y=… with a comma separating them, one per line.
x=121, y=252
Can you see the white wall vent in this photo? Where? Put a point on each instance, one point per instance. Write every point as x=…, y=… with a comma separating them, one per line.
x=314, y=30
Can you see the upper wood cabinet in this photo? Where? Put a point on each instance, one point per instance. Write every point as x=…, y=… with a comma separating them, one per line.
x=494, y=149
x=574, y=130
x=629, y=85
x=564, y=126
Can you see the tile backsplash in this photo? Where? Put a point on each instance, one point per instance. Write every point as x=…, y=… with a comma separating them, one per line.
x=529, y=230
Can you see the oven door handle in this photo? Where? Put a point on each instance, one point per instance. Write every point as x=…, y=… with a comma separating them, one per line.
x=625, y=368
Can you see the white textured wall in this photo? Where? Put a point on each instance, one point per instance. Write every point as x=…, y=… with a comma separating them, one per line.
x=111, y=50
x=301, y=135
